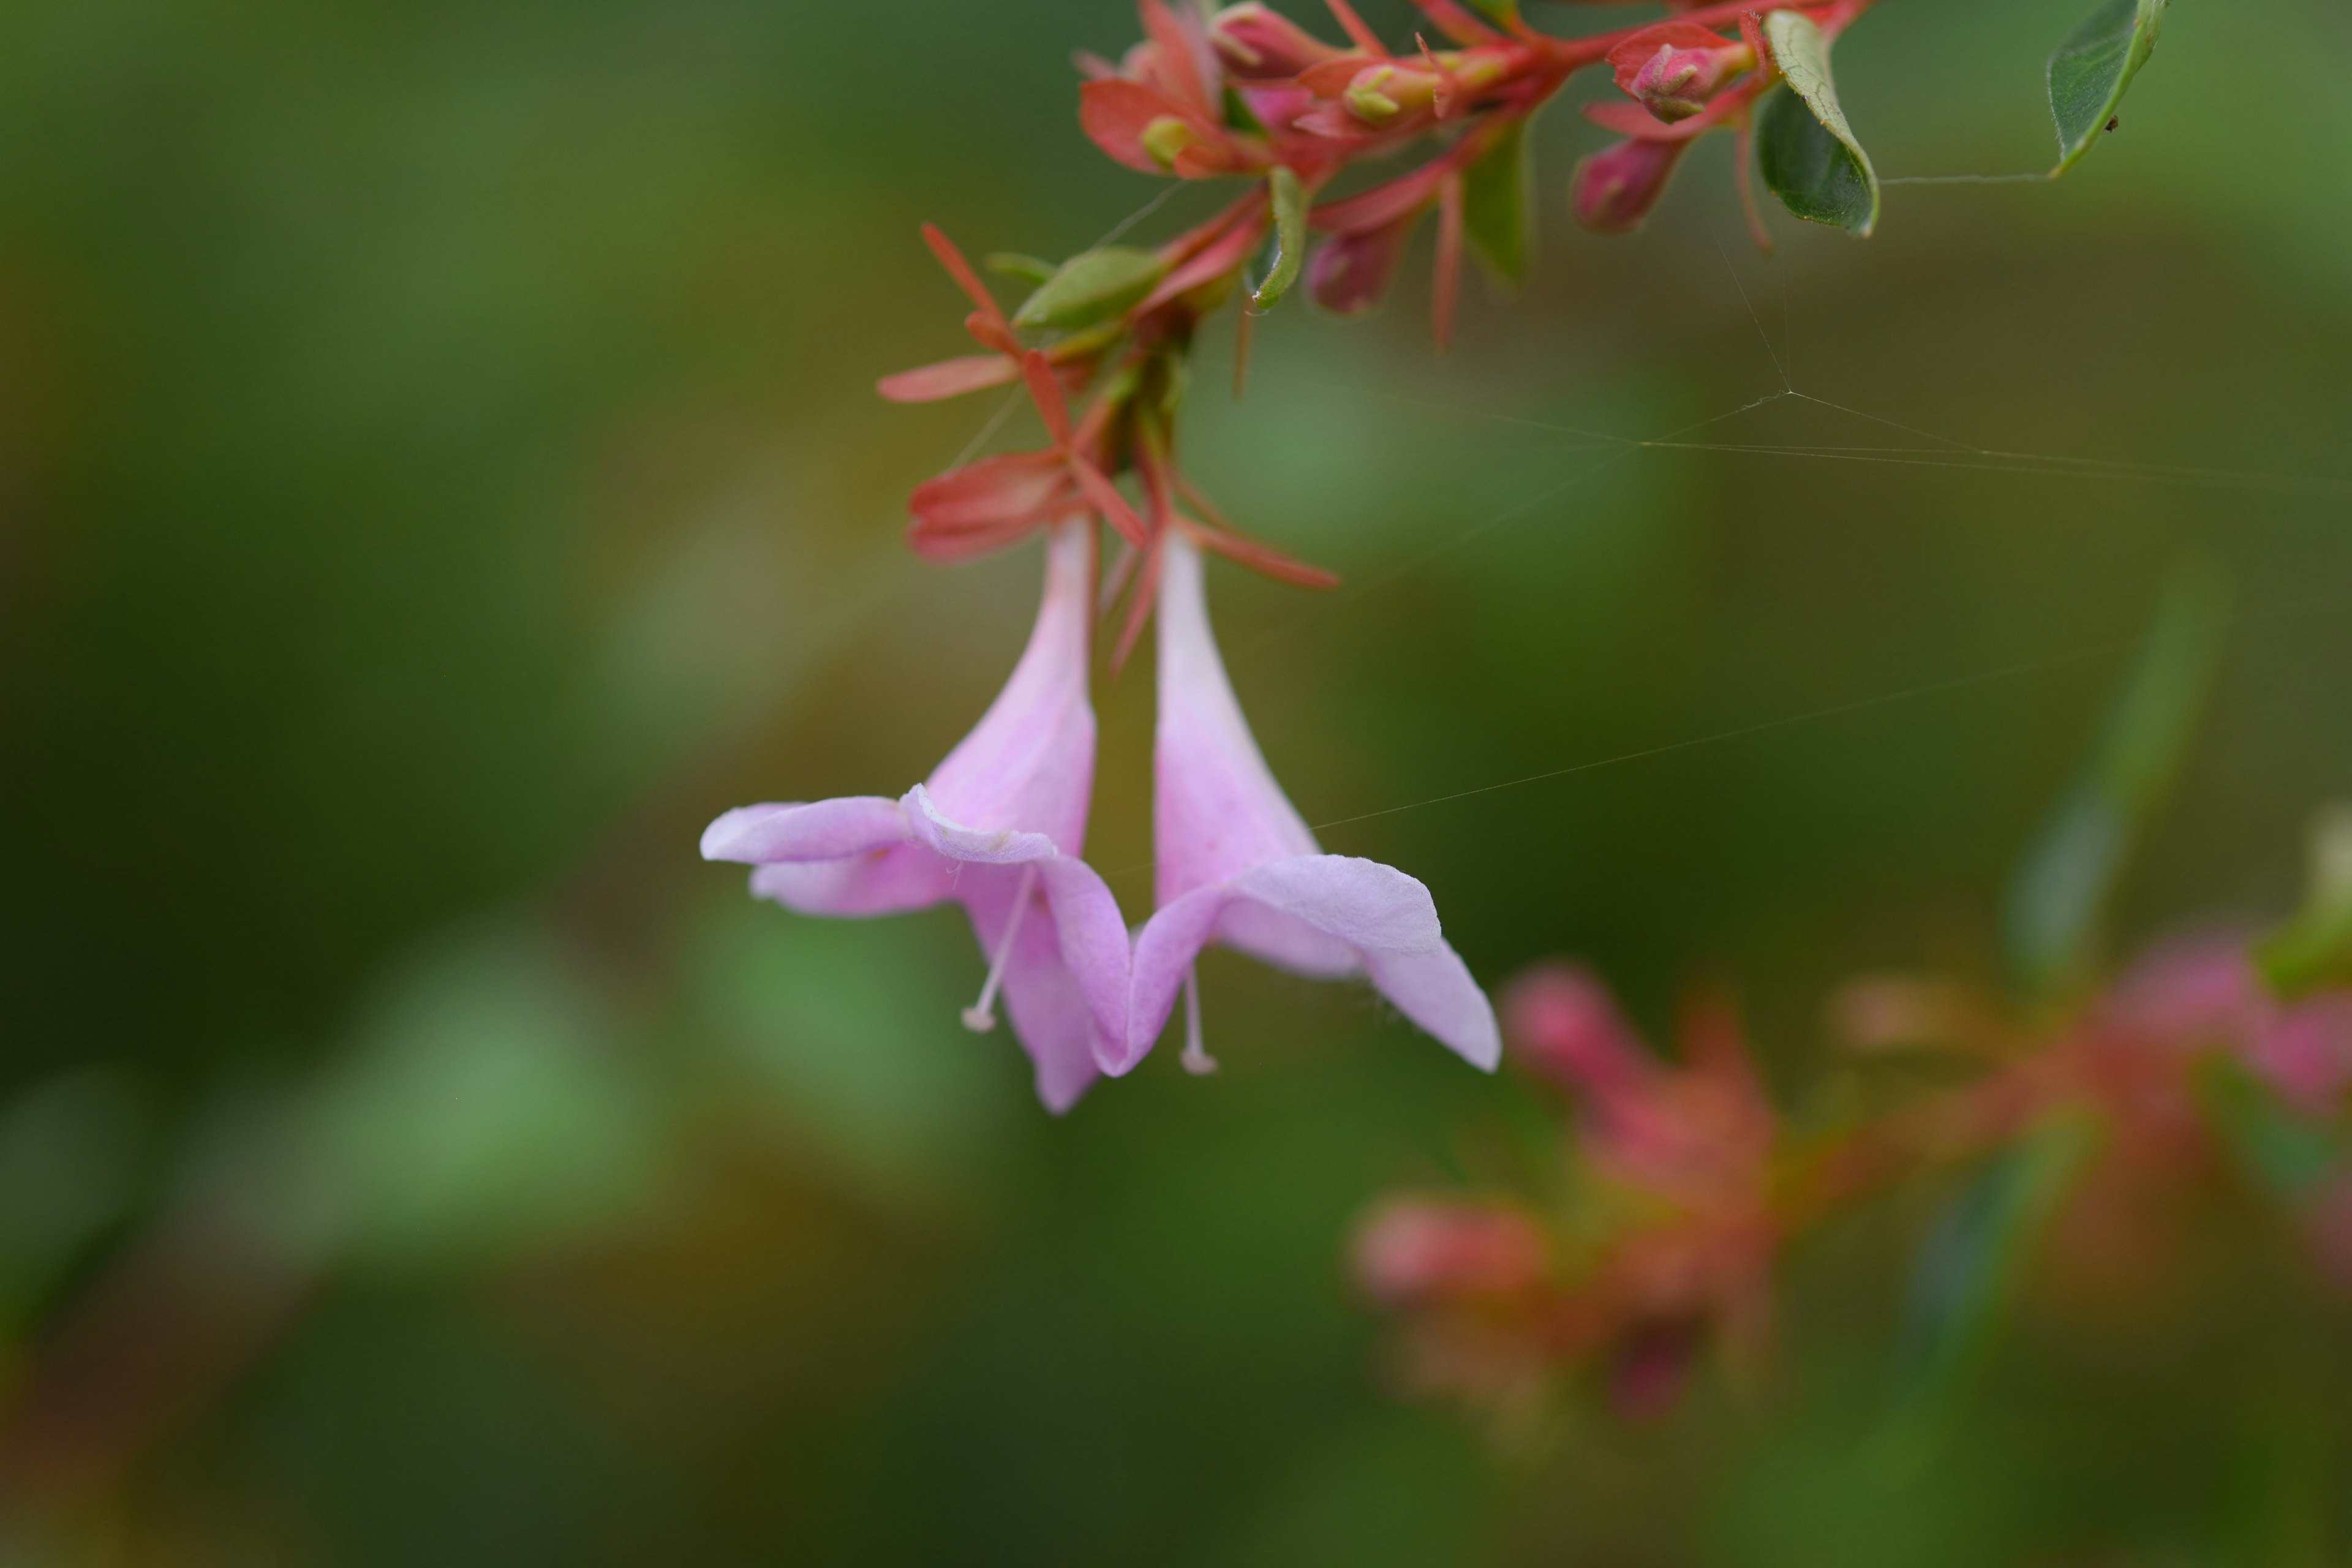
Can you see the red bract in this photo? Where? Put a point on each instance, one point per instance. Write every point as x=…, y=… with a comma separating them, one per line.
x=988, y=504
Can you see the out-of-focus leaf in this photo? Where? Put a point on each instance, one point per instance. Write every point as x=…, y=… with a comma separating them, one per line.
x=852, y=1029
x=1967, y=1273
x=2093, y=69
x=1240, y=117
x=2062, y=886
x=481, y=1110
x=1091, y=287
x=1503, y=11
x=1012, y=264
x=2315, y=948
x=1289, y=198
x=1804, y=148
x=1494, y=203
x=71, y=1158
x=2290, y=1156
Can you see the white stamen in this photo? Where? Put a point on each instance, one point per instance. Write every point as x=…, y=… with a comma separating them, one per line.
x=981, y=1016
x=1197, y=1062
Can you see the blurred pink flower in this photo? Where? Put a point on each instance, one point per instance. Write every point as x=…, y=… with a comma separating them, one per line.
x=1413, y=1250
x=1237, y=865
x=997, y=827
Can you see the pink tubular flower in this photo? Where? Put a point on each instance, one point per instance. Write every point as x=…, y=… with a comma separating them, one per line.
x=997, y=827
x=1236, y=864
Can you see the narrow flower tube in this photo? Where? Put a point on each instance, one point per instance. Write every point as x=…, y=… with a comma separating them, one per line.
x=997, y=827
x=1235, y=864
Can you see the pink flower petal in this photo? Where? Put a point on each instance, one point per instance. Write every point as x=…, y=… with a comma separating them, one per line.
x=1216, y=809
x=1164, y=951
x=990, y=846
x=1436, y=992
x=824, y=830
x=887, y=882
x=1363, y=903
x=1049, y=1008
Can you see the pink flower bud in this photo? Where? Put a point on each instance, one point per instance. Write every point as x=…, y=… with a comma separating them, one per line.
x=1562, y=1023
x=1615, y=189
x=1349, y=272
x=1675, y=67
x=1255, y=42
x=1675, y=84
x=1413, y=1250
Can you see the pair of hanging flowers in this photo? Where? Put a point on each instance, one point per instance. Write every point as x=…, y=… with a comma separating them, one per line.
x=1244, y=94
x=1001, y=825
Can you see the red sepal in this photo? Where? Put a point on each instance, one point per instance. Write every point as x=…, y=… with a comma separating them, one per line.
x=966, y=279
x=948, y=378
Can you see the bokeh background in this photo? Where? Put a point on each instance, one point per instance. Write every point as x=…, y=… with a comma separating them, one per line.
x=438, y=471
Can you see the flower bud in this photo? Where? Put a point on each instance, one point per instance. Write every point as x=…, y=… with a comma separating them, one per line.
x=1166, y=136
x=1410, y=1251
x=1349, y=272
x=1674, y=84
x=1675, y=67
x=1615, y=189
x=1561, y=1022
x=1255, y=42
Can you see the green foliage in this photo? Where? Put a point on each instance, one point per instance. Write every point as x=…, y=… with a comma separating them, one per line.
x=1496, y=194
x=1804, y=148
x=2061, y=888
x=2315, y=948
x=1503, y=11
x=482, y=1110
x=1091, y=287
x=1030, y=269
x=1289, y=199
x=2288, y=1155
x=2093, y=69
x=70, y=1152
x=1967, y=1271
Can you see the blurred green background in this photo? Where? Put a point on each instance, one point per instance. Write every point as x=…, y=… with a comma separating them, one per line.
x=438, y=472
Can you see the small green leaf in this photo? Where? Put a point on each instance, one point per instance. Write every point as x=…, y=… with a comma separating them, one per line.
x=1091, y=287
x=1494, y=203
x=1804, y=148
x=1968, y=1270
x=1289, y=237
x=2092, y=69
x=2063, y=885
x=2315, y=948
x=1506, y=11
x=1012, y=264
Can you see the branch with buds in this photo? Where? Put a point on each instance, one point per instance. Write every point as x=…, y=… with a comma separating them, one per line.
x=1245, y=93
x=1100, y=345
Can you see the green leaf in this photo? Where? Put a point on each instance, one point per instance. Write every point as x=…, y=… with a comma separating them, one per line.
x=1506, y=11
x=1092, y=287
x=2092, y=69
x=1494, y=203
x=2063, y=886
x=1289, y=237
x=1240, y=117
x=2315, y=948
x=1968, y=1270
x=1012, y=264
x=1804, y=148
x=2289, y=1157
